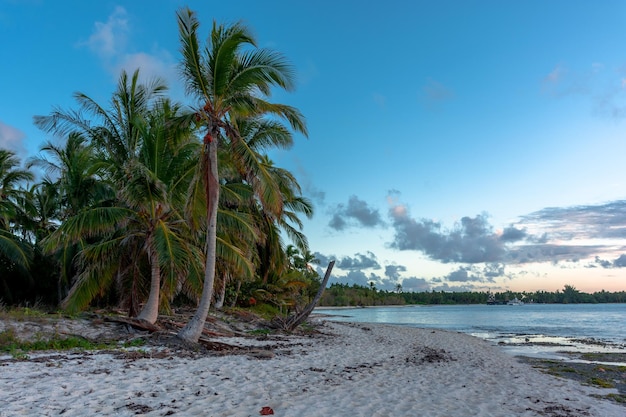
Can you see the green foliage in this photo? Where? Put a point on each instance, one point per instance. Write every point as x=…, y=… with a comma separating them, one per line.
x=23, y=313
x=619, y=398
x=10, y=343
x=356, y=295
x=266, y=310
x=8, y=338
x=602, y=383
x=260, y=332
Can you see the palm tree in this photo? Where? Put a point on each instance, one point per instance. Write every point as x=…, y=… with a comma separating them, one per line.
x=254, y=181
x=76, y=168
x=78, y=187
x=113, y=132
x=145, y=226
x=41, y=209
x=144, y=151
x=11, y=246
x=146, y=223
x=167, y=157
x=274, y=224
x=227, y=81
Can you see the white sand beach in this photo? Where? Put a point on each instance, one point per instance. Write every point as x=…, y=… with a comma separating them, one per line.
x=345, y=370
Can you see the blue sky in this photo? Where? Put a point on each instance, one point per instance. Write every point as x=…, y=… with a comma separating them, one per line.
x=453, y=145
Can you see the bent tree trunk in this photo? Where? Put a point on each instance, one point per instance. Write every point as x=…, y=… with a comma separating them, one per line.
x=297, y=319
x=192, y=330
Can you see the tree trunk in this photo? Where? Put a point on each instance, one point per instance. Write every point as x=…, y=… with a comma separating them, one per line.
x=234, y=303
x=219, y=302
x=150, y=311
x=192, y=331
x=297, y=319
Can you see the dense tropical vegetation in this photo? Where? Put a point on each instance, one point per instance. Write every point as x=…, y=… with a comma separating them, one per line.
x=132, y=210
x=357, y=295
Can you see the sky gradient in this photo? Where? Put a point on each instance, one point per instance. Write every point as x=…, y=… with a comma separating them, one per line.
x=453, y=145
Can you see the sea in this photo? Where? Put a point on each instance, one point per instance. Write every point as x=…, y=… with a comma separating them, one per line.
x=535, y=330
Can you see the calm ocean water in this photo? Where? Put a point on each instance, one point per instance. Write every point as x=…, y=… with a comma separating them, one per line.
x=529, y=329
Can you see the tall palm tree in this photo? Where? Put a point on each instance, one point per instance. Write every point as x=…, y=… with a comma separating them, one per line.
x=226, y=80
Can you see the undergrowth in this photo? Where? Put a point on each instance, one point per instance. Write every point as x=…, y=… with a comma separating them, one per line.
x=11, y=344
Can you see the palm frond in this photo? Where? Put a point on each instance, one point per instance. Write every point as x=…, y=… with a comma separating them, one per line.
x=263, y=69
x=193, y=67
x=13, y=250
x=91, y=223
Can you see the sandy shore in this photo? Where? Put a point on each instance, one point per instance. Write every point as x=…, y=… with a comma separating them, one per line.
x=345, y=370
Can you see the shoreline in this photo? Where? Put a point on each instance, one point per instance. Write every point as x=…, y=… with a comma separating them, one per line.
x=343, y=368
x=509, y=331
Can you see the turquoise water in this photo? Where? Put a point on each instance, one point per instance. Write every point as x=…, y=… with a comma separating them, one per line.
x=530, y=329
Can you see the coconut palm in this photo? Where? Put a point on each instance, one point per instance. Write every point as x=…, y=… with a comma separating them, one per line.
x=148, y=156
x=249, y=173
x=78, y=187
x=12, y=177
x=226, y=80
x=272, y=250
x=113, y=131
x=38, y=211
x=75, y=167
x=146, y=226
x=168, y=154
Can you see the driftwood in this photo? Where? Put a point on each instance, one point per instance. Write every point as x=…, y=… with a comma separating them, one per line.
x=135, y=323
x=293, y=321
x=171, y=324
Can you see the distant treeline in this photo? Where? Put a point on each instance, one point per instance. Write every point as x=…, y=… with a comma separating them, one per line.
x=357, y=295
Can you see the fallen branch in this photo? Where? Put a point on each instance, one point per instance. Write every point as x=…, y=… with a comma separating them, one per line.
x=135, y=323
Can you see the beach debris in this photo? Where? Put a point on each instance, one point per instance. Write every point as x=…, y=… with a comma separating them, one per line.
x=425, y=354
x=136, y=324
x=267, y=411
x=261, y=354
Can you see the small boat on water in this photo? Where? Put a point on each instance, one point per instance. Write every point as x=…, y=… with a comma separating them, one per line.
x=515, y=302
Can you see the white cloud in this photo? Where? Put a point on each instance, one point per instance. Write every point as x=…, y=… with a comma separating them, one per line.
x=109, y=39
x=159, y=65
x=12, y=139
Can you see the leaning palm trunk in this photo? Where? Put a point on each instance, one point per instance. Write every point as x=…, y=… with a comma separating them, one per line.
x=192, y=331
x=295, y=320
x=150, y=311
